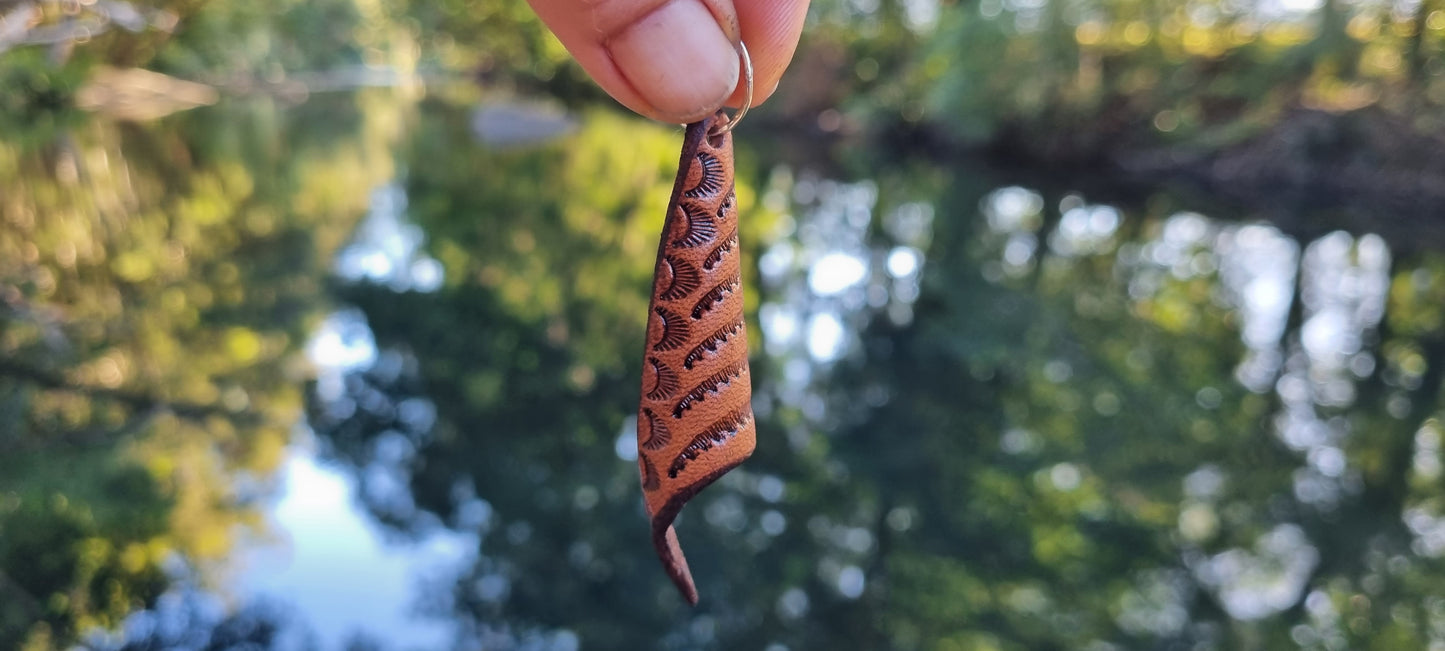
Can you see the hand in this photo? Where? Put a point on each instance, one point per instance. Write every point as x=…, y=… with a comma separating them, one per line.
x=674, y=60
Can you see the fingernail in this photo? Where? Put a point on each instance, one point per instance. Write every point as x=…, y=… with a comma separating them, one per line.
x=678, y=59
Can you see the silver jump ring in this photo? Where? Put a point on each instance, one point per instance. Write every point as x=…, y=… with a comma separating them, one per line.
x=747, y=66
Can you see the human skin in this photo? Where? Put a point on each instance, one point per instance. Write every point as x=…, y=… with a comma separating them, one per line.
x=675, y=60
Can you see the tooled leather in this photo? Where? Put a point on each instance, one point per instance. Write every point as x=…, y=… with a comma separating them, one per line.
x=695, y=419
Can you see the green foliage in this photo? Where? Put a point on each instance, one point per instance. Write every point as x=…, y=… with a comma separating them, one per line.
x=75, y=535
x=503, y=38
x=155, y=285
x=264, y=39
x=38, y=98
x=1092, y=72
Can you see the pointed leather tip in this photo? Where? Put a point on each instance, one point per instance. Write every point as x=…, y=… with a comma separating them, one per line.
x=675, y=563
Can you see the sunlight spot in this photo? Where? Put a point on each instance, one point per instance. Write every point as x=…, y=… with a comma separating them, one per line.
x=780, y=326
x=387, y=248
x=900, y=519
x=1027, y=599
x=793, y=604
x=920, y=14
x=776, y=261
x=343, y=342
x=1209, y=398
x=1429, y=530
x=1013, y=209
x=1085, y=229
x=1155, y=605
x=1206, y=482
x=492, y=587
x=851, y=582
x=773, y=523
x=857, y=539
x=770, y=488
x=1300, y=6
x=1019, y=441
x=426, y=274
x=1020, y=249
x=825, y=337
x=1065, y=476
x=1256, y=584
x=1198, y=522
x=1106, y=403
x=1257, y=266
x=626, y=445
x=1427, y=451
x=1329, y=460
x=836, y=272
x=1058, y=371
x=1325, y=335
x=904, y=261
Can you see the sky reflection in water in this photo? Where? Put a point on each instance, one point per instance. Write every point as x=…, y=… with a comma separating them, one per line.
x=328, y=537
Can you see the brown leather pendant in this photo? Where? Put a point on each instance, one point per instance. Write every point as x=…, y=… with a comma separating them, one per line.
x=695, y=420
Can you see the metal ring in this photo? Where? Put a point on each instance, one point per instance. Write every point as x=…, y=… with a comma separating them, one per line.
x=747, y=66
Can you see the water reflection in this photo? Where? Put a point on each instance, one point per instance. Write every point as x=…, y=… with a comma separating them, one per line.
x=1132, y=370
x=386, y=248
x=1258, y=265
x=326, y=534
x=991, y=414
x=826, y=275
x=312, y=571
x=1265, y=580
x=1312, y=366
x=156, y=285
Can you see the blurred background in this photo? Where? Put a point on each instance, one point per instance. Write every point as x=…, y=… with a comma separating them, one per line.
x=1077, y=324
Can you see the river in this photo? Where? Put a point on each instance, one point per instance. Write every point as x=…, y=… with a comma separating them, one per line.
x=360, y=371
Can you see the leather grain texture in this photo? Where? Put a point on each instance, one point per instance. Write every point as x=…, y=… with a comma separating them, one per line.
x=695, y=418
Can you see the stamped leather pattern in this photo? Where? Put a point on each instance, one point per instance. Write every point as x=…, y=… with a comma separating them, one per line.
x=695, y=420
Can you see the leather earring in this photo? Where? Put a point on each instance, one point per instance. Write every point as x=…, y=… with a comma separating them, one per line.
x=695, y=419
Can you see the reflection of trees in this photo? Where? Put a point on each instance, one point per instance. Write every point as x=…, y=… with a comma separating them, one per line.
x=1103, y=412
x=187, y=620
x=154, y=285
x=1048, y=423
x=1054, y=451
x=528, y=354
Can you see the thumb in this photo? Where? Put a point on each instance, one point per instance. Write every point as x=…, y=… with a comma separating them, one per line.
x=672, y=60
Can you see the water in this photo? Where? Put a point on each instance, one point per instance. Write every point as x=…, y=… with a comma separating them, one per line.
x=360, y=373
